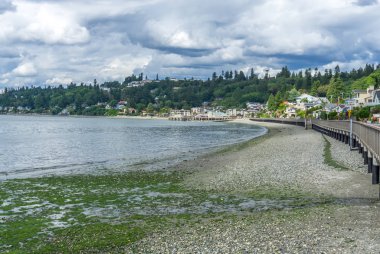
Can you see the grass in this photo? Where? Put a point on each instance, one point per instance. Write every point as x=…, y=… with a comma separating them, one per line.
x=328, y=159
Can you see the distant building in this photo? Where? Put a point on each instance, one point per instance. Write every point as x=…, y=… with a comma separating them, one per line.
x=217, y=115
x=179, y=113
x=312, y=99
x=139, y=83
x=254, y=106
x=198, y=110
x=107, y=89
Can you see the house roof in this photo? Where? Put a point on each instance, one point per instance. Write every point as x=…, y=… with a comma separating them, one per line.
x=330, y=106
x=359, y=91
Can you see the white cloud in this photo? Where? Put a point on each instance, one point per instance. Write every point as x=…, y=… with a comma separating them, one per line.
x=47, y=23
x=346, y=66
x=4, y=81
x=25, y=69
x=119, y=68
x=59, y=81
x=83, y=40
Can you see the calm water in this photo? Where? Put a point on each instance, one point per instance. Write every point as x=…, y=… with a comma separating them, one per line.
x=34, y=146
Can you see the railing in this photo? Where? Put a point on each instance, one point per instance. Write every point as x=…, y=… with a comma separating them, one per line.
x=367, y=134
x=298, y=122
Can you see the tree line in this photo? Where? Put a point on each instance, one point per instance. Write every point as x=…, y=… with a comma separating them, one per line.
x=229, y=89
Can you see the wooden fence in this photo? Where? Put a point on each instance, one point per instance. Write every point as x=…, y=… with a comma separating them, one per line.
x=361, y=136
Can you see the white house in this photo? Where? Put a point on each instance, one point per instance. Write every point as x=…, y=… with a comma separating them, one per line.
x=312, y=99
x=198, y=110
x=291, y=112
x=307, y=98
x=180, y=113
x=138, y=83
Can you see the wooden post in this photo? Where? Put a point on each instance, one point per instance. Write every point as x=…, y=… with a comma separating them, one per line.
x=351, y=138
x=375, y=171
x=370, y=162
x=365, y=156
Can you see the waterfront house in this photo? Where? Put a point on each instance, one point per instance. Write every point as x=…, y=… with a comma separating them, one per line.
x=363, y=97
x=217, y=115
x=181, y=112
x=198, y=110
x=290, y=111
x=131, y=111
x=254, y=106
x=376, y=97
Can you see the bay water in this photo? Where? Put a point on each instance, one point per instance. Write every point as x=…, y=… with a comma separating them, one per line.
x=33, y=146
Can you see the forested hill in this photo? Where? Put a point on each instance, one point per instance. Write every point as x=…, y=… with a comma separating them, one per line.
x=227, y=89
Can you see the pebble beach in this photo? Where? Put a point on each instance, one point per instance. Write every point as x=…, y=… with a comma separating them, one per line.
x=288, y=159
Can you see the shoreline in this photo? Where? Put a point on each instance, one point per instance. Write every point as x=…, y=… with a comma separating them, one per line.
x=270, y=194
x=351, y=200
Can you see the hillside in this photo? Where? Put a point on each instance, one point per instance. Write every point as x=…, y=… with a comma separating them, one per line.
x=229, y=89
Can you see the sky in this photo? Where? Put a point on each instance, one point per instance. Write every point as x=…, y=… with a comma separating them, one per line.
x=51, y=42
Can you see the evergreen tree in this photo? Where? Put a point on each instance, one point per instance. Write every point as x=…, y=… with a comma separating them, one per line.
x=227, y=75
x=214, y=76
x=293, y=94
x=271, y=103
x=335, y=88
x=337, y=71
x=252, y=75
x=278, y=98
x=314, y=88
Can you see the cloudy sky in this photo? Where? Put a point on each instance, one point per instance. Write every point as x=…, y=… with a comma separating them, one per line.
x=57, y=41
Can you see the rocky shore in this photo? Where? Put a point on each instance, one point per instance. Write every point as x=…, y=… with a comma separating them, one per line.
x=288, y=161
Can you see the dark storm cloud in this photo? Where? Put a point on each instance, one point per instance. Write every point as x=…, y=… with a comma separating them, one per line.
x=6, y=5
x=366, y=2
x=48, y=41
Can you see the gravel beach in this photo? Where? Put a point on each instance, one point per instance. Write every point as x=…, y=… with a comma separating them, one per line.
x=288, y=158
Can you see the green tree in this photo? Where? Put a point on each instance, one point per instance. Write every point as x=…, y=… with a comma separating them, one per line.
x=271, y=102
x=336, y=87
x=314, y=88
x=293, y=94
x=150, y=108
x=278, y=98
